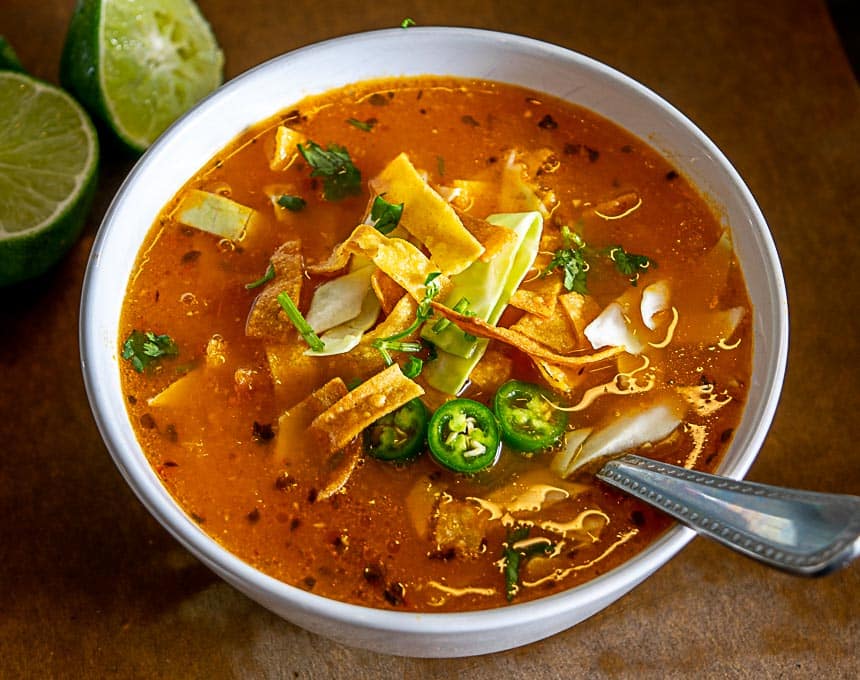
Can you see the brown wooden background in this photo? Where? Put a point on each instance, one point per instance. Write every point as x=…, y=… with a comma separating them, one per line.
x=91, y=586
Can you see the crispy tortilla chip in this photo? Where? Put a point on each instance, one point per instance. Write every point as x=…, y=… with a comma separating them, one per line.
x=562, y=379
x=469, y=194
x=266, y=319
x=482, y=329
x=580, y=309
x=360, y=361
x=378, y=396
x=402, y=261
x=427, y=216
x=294, y=422
x=493, y=237
x=292, y=371
x=387, y=290
x=343, y=464
x=337, y=261
x=285, y=152
x=538, y=296
x=491, y=371
x=335, y=471
x=400, y=318
x=555, y=332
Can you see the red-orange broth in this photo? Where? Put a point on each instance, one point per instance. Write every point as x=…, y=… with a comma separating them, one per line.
x=416, y=536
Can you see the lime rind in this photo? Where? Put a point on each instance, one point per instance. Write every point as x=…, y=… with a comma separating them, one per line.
x=157, y=58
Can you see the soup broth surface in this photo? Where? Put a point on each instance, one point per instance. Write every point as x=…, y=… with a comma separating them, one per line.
x=415, y=535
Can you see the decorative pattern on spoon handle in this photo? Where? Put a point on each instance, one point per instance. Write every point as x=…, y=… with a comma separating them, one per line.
x=802, y=532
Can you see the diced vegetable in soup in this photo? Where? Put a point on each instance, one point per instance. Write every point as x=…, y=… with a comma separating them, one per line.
x=379, y=345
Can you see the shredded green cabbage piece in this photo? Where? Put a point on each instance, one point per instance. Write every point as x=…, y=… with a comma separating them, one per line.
x=488, y=286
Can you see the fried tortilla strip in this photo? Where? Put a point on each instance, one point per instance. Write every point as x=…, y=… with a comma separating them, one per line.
x=491, y=371
x=345, y=463
x=294, y=422
x=337, y=261
x=562, y=379
x=482, y=329
x=580, y=309
x=378, y=396
x=387, y=290
x=266, y=319
x=538, y=296
x=427, y=216
x=292, y=372
x=400, y=318
x=556, y=332
x=492, y=236
x=402, y=261
x=336, y=470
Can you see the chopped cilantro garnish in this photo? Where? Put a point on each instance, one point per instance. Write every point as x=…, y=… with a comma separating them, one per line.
x=413, y=367
x=392, y=342
x=571, y=261
x=340, y=177
x=407, y=23
x=462, y=307
x=291, y=203
x=144, y=348
x=514, y=557
x=301, y=324
x=365, y=125
x=440, y=165
x=385, y=215
x=265, y=278
x=630, y=264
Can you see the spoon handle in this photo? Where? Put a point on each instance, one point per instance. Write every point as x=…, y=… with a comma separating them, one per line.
x=801, y=532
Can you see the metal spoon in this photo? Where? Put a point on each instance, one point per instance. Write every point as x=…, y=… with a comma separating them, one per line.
x=801, y=532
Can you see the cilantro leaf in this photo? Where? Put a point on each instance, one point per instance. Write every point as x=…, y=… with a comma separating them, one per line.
x=144, y=348
x=407, y=23
x=385, y=215
x=340, y=177
x=630, y=264
x=513, y=557
x=571, y=261
x=299, y=321
x=364, y=125
x=413, y=367
x=291, y=203
x=432, y=287
x=265, y=278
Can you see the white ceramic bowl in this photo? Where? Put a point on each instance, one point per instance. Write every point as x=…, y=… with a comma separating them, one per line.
x=282, y=82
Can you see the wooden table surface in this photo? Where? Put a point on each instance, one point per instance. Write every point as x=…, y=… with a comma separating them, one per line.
x=92, y=586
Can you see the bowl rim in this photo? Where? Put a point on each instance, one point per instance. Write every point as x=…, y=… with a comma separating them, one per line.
x=139, y=475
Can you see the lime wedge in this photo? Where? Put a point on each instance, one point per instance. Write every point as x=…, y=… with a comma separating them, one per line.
x=139, y=64
x=48, y=158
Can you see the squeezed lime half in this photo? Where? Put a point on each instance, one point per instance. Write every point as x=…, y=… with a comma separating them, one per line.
x=48, y=161
x=140, y=64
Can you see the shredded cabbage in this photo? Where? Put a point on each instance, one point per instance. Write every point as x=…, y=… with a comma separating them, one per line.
x=491, y=285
